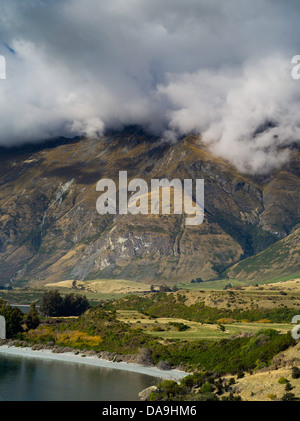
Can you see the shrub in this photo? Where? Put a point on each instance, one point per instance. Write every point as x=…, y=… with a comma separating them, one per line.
x=231, y=397
x=77, y=339
x=259, y=365
x=295, y=373
x=282, y=380
x=179, y=326
x=207, y=388
x=169, y=387
x=289, y=397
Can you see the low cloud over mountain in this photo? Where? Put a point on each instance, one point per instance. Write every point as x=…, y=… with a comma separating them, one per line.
x=219, y=69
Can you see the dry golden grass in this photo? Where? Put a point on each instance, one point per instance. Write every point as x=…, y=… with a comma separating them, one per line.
x=266, y=296
x=290, y=285
x=104, y=286
x=263, y=385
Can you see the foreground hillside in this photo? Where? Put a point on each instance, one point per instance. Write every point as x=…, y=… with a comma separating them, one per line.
x=50, y=230
x=236, y=343
x=227, y=358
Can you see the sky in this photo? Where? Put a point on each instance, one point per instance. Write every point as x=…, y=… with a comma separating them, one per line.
x=215, y=68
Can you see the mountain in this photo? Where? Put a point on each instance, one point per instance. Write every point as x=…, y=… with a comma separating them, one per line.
x=50, y=230
x=277, y=261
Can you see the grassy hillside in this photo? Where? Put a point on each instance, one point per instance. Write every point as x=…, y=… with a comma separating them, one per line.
x=223, y=305
x=275, y=262
x=101, y=330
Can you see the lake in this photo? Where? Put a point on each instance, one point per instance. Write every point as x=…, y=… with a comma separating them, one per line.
x=30, y=379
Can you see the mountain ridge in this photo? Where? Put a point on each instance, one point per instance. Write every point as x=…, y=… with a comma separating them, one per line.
x=50, y=230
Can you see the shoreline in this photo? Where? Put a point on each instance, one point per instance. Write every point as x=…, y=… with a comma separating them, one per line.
x=47, y=354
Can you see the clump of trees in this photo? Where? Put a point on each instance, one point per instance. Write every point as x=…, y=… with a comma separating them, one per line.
x=200, y=386
x=53, y=304
x=13, y=319
x=164, y=288
x=196, y=281
x=179, y=326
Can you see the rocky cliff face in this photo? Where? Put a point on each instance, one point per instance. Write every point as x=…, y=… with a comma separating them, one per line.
x=50, y=230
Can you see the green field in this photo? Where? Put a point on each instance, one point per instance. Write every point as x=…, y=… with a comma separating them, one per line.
x=219, y=284
x=160, y=327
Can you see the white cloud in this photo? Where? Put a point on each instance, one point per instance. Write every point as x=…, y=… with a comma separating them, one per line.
x=229, y=105
x=216, y=68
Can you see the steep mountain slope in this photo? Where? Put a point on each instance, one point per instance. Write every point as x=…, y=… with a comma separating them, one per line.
x=50, y=230
x=279, y=260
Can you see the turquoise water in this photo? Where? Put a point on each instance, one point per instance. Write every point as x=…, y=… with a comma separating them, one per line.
x=29, y=379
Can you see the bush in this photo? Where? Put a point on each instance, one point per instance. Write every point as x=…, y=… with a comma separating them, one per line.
x=289, y=397
x=231, y=397
x=295, y=373
x=288, y=387
x=282, y=380
x=207, y=388
x=179, y=326
x=169, y=388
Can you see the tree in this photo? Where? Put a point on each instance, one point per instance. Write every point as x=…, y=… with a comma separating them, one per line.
x=32, y=320
x=51, y=303
x=222, y=327
x=13, y=319
x=74, y=305
x=164, y=288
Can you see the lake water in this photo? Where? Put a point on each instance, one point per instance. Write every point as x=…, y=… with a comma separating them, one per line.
x=29, y=379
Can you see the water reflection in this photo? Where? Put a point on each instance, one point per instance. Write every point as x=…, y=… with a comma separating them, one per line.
x=24, y=379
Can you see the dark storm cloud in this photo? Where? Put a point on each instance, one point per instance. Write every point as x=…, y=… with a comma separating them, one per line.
x=217, y=68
